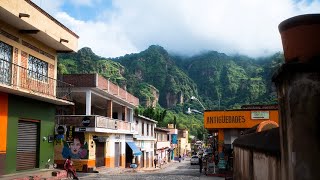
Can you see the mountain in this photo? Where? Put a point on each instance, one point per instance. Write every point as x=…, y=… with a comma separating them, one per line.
x=167, y=81
x=156, y=77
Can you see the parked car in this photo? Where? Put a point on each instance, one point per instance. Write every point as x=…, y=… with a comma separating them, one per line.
x=194, y=160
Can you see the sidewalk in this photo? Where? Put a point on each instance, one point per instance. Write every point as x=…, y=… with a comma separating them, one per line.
x=152, y=169
x=48, y=174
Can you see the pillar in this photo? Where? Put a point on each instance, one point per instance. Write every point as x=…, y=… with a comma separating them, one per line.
x=124, y=113
x=298, y=88
x=109, y=108
x=220, y=140
x=88, y=102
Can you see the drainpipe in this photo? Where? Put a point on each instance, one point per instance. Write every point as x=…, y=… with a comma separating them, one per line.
x=298, y=88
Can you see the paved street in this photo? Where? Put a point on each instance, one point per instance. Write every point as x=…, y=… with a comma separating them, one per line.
x=174, y=171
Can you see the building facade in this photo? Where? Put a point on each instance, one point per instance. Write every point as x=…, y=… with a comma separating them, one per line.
x=29, y=42
x=183, y=146
x=145, y=140
x=162, y=146
x=95, y=131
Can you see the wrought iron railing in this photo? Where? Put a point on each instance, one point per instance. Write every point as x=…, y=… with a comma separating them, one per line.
x=19, y=78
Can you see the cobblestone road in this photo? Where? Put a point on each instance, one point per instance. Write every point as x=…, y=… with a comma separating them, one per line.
x=173, y=171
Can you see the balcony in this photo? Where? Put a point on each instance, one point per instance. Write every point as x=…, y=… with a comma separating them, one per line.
x=15, y=79
x=96, y=123
x=163, y=144
x=99, y=83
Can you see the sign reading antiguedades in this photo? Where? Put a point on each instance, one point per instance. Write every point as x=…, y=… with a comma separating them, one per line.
x=237, y=118
x=226, y=119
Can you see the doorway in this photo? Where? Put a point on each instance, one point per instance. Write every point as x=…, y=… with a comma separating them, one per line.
x=100, y=149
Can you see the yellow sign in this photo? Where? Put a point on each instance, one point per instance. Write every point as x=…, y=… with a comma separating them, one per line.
x=236, y=119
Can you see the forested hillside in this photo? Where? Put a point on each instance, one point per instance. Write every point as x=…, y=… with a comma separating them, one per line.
x=168, y=81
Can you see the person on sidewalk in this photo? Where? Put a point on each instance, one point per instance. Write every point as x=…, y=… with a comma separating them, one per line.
x=200, y=164
x=69, y=168
x=180, y=158
x=155, y=162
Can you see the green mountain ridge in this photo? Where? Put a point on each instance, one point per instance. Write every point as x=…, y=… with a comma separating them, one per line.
x=168, y=81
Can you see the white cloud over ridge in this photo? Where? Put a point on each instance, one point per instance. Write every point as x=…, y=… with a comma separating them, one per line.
x=248, y=27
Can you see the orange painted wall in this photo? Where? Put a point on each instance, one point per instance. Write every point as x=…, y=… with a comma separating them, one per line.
x=109, y=161
x=123, y=161
x=78, y=164
x=3, y=121
x=235, y=119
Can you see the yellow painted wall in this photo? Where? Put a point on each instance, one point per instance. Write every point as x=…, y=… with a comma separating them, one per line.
x=235, y=119
x=3, y=121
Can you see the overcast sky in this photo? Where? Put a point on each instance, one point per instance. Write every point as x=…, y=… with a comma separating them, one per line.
x=113, y=28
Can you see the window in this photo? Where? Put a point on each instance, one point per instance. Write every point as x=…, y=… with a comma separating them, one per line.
x=5, y=63
x=142, y=128
x=37, y=69
x=147, y=129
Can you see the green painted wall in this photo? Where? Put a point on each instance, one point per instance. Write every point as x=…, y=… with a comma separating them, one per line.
x=20, y=107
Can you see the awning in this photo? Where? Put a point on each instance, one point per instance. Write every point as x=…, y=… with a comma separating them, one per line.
x=134, y=148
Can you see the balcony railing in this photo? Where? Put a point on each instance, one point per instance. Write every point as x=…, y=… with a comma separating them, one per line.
x=21, y=78
x=96, y=121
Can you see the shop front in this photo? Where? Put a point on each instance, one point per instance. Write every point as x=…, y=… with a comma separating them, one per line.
x=89, y=147
x=226, y=126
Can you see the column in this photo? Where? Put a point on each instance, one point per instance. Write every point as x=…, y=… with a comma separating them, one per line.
x=220, y=140
x=109, y=108
x=124, y=113
x=88, y=103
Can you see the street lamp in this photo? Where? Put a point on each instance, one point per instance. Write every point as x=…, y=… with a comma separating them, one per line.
x=193, y=111
x=194, y=98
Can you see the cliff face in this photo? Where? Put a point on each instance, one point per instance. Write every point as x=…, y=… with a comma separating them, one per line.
x=156, y=77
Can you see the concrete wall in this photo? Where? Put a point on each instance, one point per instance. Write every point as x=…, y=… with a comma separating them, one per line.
x=252, y=165
x=298, y=89
x=265, y=167
x=242, y=164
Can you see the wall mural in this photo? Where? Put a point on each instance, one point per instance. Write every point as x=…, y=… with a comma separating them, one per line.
x=73, y=145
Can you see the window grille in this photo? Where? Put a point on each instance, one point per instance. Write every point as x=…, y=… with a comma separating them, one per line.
x=37, y=69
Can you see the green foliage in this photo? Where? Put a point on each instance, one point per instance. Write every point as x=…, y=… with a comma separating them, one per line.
x=216, y=79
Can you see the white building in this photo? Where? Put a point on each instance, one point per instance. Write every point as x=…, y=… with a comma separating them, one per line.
x=144, y=139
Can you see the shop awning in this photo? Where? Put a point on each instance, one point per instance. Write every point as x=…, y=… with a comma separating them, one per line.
x=134, y=148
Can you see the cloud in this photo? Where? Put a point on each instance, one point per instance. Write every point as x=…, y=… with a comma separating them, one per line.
x=50, y=6
x=188, y=26
x=84, y=2
x=105, y=40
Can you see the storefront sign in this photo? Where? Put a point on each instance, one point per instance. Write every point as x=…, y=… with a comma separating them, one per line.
x=86, y=121
x=174, y=138
x=238, y=118
x=60, y=130
x=259, y=114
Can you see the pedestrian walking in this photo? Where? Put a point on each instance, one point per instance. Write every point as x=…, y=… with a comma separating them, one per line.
x=180, y=158
x=155, y=162
x=69, y=168
x=200, y=164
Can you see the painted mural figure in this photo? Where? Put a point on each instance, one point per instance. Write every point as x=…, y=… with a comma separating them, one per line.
x=76, y=149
